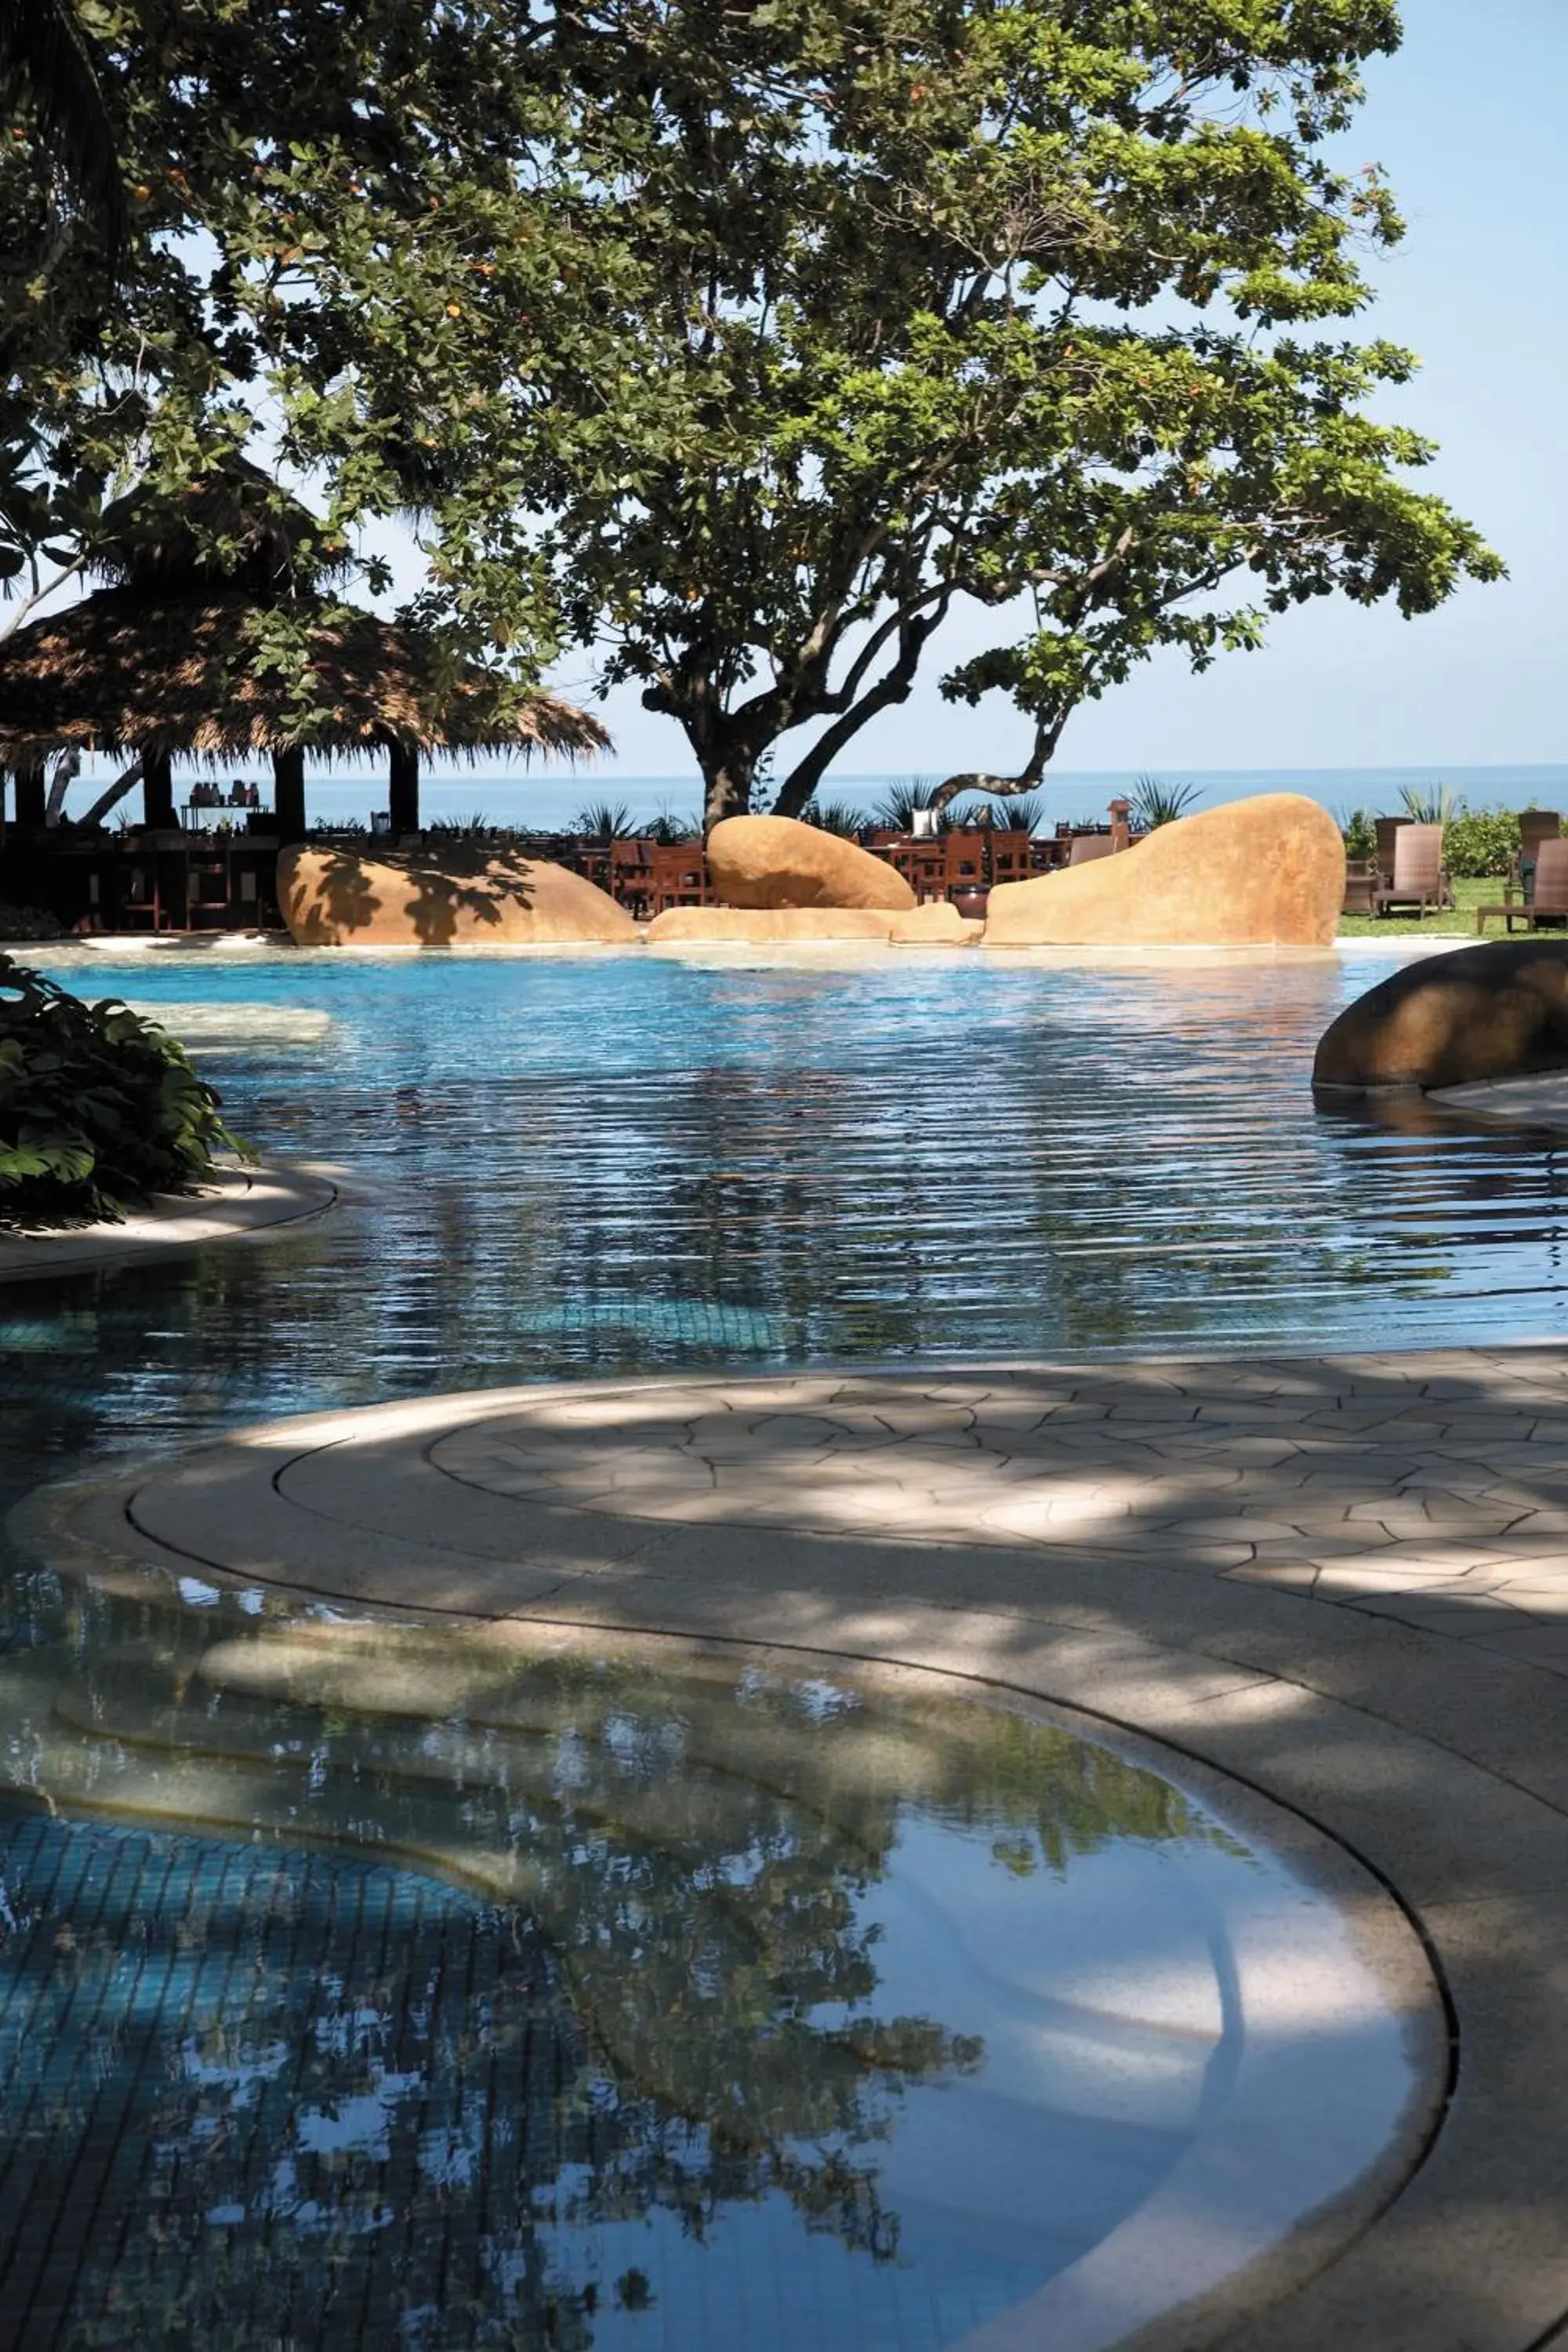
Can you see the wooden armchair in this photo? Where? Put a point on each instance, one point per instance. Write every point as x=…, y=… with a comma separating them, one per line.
x=1419, y=880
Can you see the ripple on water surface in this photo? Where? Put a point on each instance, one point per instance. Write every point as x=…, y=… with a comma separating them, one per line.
x=632, y=1162
x=569, y=2001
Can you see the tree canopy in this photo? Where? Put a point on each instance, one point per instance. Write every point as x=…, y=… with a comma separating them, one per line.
x=746, y=346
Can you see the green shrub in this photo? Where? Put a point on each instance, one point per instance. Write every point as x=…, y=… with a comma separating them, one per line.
x=1432, y=804
x=1155, y=804
x=98, y=1107
x=1359, y=834
x=841, y=817
x=1481, y=841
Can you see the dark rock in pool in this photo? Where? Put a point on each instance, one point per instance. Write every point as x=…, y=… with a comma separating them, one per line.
x=1494, y=1012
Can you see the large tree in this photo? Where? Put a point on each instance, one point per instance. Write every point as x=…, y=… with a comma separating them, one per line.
x=746, y=346
x=1006, y=303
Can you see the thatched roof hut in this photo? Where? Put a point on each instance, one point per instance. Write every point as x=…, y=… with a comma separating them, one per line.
x=232, y=531
x=118, y=673
x=172, y=660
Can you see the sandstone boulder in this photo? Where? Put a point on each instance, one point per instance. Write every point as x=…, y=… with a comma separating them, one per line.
x=936, y=924
x=774, y=861
x=1494, y=1012
x=1257, y=873
x=458, y=897
x=767, y=926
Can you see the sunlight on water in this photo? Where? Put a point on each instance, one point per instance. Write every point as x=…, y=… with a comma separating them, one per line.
x=628, y=1163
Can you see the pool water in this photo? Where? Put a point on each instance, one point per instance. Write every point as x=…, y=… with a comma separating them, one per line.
x=567, y=2001
x=625, y=1163
x=382, y=2005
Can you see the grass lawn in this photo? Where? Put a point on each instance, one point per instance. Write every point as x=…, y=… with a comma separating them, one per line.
x=1458, y=924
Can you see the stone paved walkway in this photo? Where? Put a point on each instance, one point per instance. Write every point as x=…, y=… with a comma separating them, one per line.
x=1432, y=1489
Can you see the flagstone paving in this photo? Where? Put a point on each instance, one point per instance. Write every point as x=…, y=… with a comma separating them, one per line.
x=1431, y=1488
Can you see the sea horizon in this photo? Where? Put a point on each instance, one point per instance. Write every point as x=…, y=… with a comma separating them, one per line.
x=550, y=799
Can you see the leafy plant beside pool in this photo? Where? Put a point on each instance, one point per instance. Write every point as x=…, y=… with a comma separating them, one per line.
x=99, y=1107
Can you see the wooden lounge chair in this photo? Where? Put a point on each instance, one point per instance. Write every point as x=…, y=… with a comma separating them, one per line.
x=1536, y=825
x=965, y=861
x=678, y=877
x=1548, y=902
x=1387, y=830
x=1362, y=880
x=1418, y=880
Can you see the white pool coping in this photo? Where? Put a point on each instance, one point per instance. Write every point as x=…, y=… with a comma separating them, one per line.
x=238, y=1204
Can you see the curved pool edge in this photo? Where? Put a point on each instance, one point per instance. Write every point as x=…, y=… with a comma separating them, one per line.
x=234, y=1203
x=1444, y=1770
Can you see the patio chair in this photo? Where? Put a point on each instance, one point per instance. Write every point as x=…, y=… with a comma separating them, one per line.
x=1362, y=881
x=1086, y=845
x=1536, y=825
x=1548, y=902
x=677, y=876
x=1418, y=879
x=964, y=866
x=1387, y=830
x=628, y=882
x=1012, y=854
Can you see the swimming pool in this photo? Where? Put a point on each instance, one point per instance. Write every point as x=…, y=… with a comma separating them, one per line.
x=287, y=2034
x=386, y=1991
x=629, y=1162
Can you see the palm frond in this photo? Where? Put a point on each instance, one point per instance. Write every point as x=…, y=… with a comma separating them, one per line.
x=1155, y=804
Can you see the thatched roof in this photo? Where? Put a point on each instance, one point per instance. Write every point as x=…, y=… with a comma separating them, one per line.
x=118, y=673
x=232, y=529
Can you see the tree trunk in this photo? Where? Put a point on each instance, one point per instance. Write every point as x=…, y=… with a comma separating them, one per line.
x=403, y=788
x=289, y=793
x=111, y=795
x=158, y=791
x=32, y=797
x=726, y=788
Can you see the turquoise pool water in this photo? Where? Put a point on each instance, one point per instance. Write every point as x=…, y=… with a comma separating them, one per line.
x=633, y=1162
x=497, y=2019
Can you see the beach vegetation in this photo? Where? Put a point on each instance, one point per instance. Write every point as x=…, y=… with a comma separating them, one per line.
x=1154, y=802
x=841, y=817
x=1359, y=833
x=1430, y=803
x=604, y=821
x=1482, y=842
x=99, y=1107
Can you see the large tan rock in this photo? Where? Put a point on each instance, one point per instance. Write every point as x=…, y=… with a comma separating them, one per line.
x=754, y=927
x=774, y=861
x=936, y=924
x=1493, y=1011
x=459, y=897
x=1257, y=873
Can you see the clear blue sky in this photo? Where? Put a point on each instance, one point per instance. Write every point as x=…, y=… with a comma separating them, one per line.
x=1468, y=119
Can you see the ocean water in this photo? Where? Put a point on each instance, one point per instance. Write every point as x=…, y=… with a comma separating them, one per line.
x=503, y=794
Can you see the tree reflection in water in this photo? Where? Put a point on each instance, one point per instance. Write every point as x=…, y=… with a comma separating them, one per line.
x=264, y=2092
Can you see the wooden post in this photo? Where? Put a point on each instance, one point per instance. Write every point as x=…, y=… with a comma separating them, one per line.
x=289, y=793
x=403, y=788
x=31, y=796
x=158, y=790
